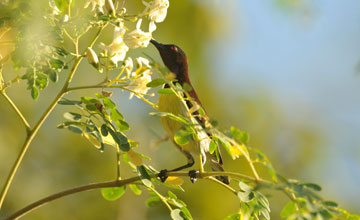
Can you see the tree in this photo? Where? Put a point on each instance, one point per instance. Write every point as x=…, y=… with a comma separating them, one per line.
x=67, y=33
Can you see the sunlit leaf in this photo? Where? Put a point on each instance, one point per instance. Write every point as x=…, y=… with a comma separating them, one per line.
x=156, y=82
x=212, y=146
x=144, y=176
x=136, y=190
x=113, y=193
x=166, y=91
x=182, y=138
x=175, y=181
x=108, y=103
x=152, y=201
x=288, y=209
x=176, y=214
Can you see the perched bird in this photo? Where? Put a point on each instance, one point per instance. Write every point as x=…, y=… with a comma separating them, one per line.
x=176, y=61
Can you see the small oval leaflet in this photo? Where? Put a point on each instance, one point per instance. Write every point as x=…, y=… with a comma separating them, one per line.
x=113, y=193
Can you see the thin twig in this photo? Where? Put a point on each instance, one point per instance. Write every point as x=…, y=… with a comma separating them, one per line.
x=118, y=183
x=18, y=112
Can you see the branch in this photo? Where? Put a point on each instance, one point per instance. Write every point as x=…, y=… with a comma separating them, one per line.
x=34, y=131
x=119, y=183
x=18, y=112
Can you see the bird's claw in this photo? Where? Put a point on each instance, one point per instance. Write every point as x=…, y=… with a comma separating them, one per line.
x=193, y=175
x=163, y=175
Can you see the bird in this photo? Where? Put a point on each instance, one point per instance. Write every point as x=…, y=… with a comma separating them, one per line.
x=175, y=59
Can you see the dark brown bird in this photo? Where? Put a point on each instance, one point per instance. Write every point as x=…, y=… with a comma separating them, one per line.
x=176, y=61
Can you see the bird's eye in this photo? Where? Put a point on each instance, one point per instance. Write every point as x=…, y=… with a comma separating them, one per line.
x=174, y=48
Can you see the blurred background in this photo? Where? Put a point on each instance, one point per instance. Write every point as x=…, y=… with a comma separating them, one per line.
x=285, y=71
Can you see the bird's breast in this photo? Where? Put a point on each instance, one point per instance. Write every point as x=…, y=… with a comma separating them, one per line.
x=172, y=104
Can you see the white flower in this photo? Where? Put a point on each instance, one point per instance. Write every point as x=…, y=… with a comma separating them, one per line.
x=92, y=57
x=157, y=9
x=117, y=49
x=138, y=38
x=94, y=3
x=55, y=9
x=152, y=26
x=128, y=65
x=141, y=61
x=109, y=6
x=139, y=85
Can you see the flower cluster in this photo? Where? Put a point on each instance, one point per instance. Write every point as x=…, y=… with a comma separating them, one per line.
x=124, y=40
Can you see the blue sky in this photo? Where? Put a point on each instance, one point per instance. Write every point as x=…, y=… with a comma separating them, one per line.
x=309, y=65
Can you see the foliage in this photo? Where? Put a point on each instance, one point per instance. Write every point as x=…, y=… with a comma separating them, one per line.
x=40, y=57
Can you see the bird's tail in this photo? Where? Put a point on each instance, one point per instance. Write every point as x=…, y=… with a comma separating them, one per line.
x=217, y=166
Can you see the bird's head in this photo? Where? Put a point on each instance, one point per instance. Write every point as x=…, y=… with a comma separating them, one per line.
x=173, y=57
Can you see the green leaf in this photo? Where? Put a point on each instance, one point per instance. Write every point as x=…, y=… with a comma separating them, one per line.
x=182, y=138
x=91, y=107
x=144, y=176
x=186, y=213
x=72, y=116
x=122, y=125
x=330, y=203
x=238, y=135
x=178, y=118
x=115, y=115
x=104, y=130
x=326, y=214
x=41, y=81
x=34, y=93
x=75, y=129
x=202, y=111
x=152, y=201
x=187, y=87
x=120, y=139
x=212, y=147
x=89, y=100
x=53, y=75
x=263, y=201
x=245, y=187
x=108, y=103
x=245, y=196
x=156, y=82
x=57, y=63
x=312, y=186
x=176, y=214
x=113, y=193
x=136, y=190
x=265, y=213
x=288, y=209
x=166, y=91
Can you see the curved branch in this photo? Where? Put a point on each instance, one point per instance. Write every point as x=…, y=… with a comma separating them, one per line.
x=118, y=183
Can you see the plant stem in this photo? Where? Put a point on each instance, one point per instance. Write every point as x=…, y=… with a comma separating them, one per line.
x=119, y=183
x=140, y=95
x=18, y=112
x=162, y=198
x=34, y=131
x=118, y=177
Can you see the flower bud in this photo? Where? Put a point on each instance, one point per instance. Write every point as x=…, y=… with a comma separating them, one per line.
x=92, y=58
x=110, y=6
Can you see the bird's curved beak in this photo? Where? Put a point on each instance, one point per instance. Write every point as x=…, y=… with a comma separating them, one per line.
x=158, y=45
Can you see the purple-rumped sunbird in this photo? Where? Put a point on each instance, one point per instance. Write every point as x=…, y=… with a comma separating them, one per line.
x=176, y=61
